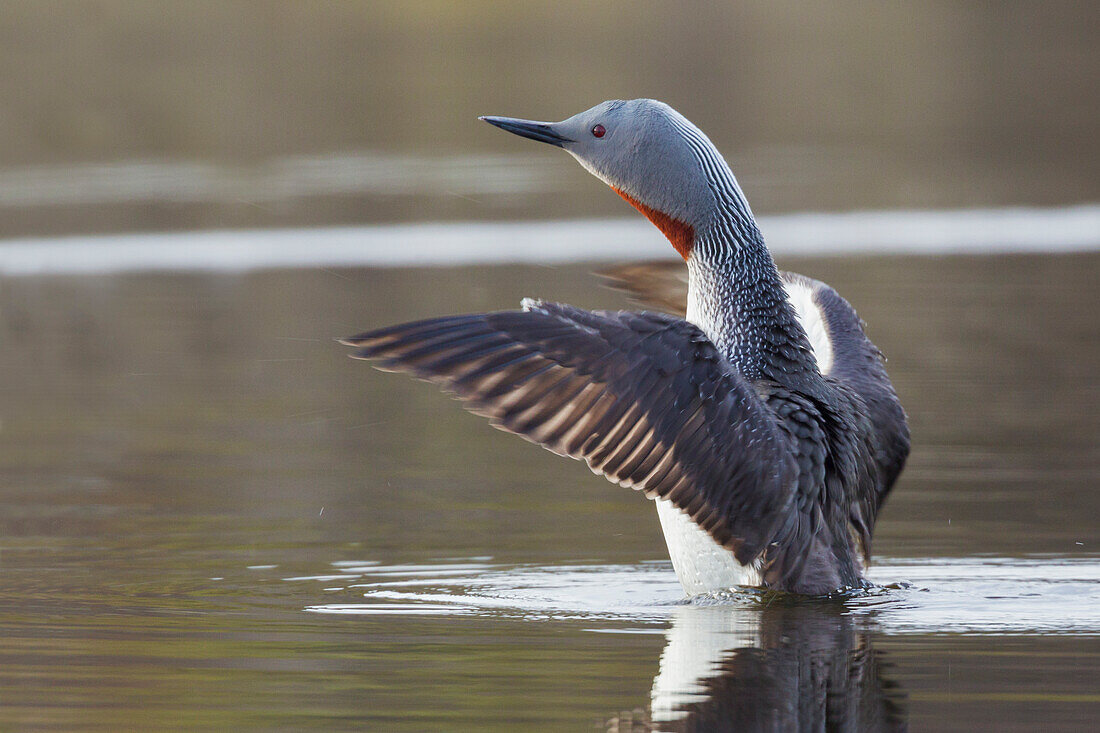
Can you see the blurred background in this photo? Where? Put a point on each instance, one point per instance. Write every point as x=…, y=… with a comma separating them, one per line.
x=210, y=519
x=158, y=115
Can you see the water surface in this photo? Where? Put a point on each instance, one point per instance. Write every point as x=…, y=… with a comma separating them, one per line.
x=211, y=519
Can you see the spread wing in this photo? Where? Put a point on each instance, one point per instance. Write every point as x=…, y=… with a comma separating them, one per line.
x=855, y=361
x=643, y=398
x=859, y=365
x=657, y=284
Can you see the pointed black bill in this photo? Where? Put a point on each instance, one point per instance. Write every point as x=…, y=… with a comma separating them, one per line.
x=542, y=131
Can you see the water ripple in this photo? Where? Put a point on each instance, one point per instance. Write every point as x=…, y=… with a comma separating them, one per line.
x=977, y=595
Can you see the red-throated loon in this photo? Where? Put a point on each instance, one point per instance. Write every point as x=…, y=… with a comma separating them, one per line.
x=764, y=424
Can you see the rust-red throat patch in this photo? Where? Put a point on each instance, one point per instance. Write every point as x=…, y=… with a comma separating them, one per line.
x=680, y=234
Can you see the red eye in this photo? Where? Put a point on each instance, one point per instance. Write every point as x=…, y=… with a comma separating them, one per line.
x=598, y=131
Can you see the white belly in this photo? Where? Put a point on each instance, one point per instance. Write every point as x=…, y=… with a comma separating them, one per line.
x=701, y=564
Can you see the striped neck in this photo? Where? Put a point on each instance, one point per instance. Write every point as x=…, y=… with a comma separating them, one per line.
x=734, y=292
x=736, y=298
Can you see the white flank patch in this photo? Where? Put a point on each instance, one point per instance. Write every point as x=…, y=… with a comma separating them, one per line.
x=812, y=321
x=701, y=564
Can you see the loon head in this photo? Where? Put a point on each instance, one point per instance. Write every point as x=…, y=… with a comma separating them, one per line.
x=651, y=155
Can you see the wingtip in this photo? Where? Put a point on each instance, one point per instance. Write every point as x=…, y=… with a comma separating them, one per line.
x=378, y=361
x=359, y=343
x=359, y=339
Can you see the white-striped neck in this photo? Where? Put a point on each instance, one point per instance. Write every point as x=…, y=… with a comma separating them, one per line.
x=734, y=292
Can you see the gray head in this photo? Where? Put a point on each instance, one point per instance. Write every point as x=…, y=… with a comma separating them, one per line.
x=652, y=156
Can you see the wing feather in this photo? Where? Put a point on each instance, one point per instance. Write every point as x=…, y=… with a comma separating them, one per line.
x=856, y=362
x=643, y=398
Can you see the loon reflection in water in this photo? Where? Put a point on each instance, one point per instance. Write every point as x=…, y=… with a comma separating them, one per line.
x=764, y=425
x=787, y=666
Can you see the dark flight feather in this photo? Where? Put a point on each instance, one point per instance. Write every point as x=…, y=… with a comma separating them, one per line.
x=643, y=398
x=857, y=367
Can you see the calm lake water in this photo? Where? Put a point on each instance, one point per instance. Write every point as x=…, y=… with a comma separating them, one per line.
x=211, y=519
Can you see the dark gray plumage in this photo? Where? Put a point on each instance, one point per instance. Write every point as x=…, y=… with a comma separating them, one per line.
x=781, y=453
x=643, y=398
x=857, y=364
